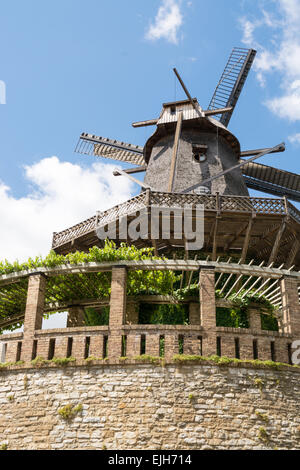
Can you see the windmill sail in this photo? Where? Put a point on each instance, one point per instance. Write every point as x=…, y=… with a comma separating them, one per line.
x=272, y=180
x=232, y=81
x=102, y=147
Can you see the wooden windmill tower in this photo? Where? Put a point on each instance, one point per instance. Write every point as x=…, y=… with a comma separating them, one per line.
x=193, y=158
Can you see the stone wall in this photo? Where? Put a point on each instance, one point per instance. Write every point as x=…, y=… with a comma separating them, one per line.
x=145, y=406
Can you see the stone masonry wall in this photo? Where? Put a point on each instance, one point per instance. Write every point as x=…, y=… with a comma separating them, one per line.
x=147, y=406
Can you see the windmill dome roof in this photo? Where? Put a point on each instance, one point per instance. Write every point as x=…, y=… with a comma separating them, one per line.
x=207, y=124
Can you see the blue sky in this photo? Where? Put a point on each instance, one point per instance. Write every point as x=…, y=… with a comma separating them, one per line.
x=73, y=66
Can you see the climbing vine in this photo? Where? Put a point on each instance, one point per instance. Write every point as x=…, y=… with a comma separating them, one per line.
x=62, y=288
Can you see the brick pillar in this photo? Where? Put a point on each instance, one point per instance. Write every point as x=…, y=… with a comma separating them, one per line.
x=96, y=346
x=264, y=348
x=118, y=297
x=75, y=317
x=133, y=345
x=192, y=344
x=115, y=344
x=117, y=310
x=208, y=310
x=43, y=347
x=11, y=351
x=33, y=313
x=79, y=345
x=281, y=348
x=228, y=345
x=171, y=345
x=246, y=346
x=194, y=316
x=152, y=345
x=61, y=346
x=290, y=306
x=254, y=319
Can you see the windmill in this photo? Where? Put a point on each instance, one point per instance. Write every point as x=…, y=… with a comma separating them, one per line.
x=224, y=100
x=192, y=157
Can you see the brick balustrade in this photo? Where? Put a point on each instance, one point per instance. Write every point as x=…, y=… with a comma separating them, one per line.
x=124, y=337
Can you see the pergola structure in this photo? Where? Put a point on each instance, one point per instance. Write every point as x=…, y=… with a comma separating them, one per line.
x=37, y=294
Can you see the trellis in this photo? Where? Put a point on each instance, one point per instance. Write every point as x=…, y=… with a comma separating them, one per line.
x=89, y=283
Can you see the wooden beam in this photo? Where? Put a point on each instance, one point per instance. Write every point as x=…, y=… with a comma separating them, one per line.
x=207, y=112
x=214, y=250
x=249, y=153
x=131, y=171
x=264, y=235
x=235, y=237
x=140, y=183
x=175, y=151
x=187, y=93
x=293, y=253
x=154, y=244
x=149, y=122
x=247, y=239
x=276, y=245
x=213, y=112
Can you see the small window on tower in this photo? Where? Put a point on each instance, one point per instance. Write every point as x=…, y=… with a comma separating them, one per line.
x=200, y=153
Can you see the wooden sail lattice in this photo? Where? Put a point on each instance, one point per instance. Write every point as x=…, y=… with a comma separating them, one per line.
x=89, y=144
x=231, y=82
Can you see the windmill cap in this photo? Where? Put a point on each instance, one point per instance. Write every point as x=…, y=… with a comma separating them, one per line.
x=167, y=122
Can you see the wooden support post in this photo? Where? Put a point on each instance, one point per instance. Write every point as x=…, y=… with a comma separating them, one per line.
x=290, y=306
x=33, y=313
x=276, y=245
x=293, y=253
x=235, y=237
x=215, y=246
x=175, y=151
x=208, y=310
x=154, y=244
x=247, y=239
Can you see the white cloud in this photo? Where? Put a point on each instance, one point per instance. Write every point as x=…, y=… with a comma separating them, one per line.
x=281, y=56
x=62, y=195
x=286, y=106
x=248, y=27
x=294, y=139
x=167, y=22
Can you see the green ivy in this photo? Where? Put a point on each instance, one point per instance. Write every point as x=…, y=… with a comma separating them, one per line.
x=94, y=318
x=60, y=288
x=163, y=314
